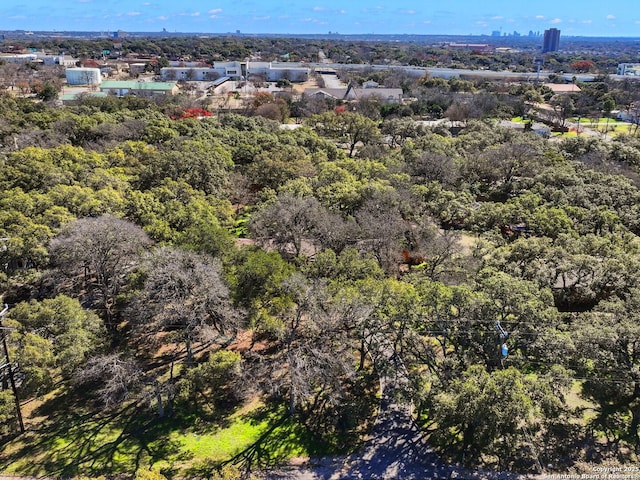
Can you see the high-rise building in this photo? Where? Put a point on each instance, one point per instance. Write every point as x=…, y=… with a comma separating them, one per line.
x=551, y=40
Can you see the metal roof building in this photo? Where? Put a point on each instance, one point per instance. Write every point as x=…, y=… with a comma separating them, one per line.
x=142, y=89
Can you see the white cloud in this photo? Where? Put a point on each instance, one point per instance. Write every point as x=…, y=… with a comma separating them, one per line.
x=556, y=20
x=370, y=10
x=318, y=9
x=611, y=17
x=410, y=12
x=315, y=21
x=539, y=17
x=146, y=4
x=214, y=11
x=497, y=17
x=133, y=14
x=587, y=22
x=163, y=18
x=481, y=23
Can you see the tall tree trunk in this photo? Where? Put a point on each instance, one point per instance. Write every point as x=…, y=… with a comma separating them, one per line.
x=292, y=402
x=363, y=354
x=158, y=392
x=634, y=426
x=189, y=349
x=467, y=442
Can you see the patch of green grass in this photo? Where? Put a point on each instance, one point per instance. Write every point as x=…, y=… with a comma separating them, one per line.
x=111, y=442
x=564, y=134
x=622, y=129
x=62, y=448
x=241, y=432
x=600, y=123
x=576, y=401
x=262, y=437
x=593, y=121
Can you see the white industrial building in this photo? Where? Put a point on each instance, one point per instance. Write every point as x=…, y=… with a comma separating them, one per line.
x=43, y=58
x=19, y=57
x=629, y=69
x=268, y=71
x=83, y=76
x=61, y=60
x=195, y=74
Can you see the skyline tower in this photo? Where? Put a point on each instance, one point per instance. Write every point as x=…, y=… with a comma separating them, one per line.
x=551, y=40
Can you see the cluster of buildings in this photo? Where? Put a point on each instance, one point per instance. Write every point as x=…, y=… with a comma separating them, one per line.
x=629, y=69
x=478, y=48
x=185, y=71
x=350, y=93
x=550, y=42
x=35, y=57
x=196, y=71
x=499, y=33
x=249, y=70
x=92, y=77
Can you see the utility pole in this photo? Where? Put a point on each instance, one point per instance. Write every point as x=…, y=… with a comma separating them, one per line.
x=7, y=364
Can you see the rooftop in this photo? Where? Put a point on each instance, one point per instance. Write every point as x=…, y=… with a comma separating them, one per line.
x=563, y=87
x=68, y=97
x=135, y=85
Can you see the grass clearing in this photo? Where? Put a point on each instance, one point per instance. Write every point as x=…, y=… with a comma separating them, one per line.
x=79, y=442
x=576, y=402
x=597, y=121
x=612, y=126
x=564, y=134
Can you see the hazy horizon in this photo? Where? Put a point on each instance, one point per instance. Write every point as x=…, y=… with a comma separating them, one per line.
x=456, y=17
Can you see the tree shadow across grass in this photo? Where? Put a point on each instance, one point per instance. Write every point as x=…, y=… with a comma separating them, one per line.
x=283, y=438
x=74, y=440
x=304, y=435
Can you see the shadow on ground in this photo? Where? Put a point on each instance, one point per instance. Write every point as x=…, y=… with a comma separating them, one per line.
x=73, y=441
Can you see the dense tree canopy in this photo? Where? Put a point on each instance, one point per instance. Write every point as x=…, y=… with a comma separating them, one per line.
x=205, y=264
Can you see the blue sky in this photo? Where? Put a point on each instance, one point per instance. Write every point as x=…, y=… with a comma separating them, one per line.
x=588, y=17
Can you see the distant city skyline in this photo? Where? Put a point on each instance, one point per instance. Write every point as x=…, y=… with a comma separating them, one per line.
x=455, y=17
